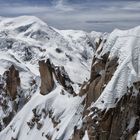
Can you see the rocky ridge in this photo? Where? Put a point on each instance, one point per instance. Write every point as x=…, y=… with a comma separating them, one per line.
x=63, y=102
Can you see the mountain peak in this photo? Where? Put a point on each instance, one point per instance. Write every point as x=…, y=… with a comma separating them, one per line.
x=12, y=23
x=67, y=84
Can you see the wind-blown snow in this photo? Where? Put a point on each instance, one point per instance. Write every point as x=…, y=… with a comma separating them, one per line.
x=124, y=45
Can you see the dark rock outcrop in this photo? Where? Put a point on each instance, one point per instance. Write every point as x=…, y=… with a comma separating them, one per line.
x=9, y=93
x=102, y=71
x=12, y=81
x=121, y=122
x=46, y=74
x=64, y=79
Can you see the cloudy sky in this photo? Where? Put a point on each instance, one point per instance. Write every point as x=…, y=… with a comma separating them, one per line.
x=98, y=15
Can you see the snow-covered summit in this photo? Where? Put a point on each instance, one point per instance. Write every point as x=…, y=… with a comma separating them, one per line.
x=22, y=20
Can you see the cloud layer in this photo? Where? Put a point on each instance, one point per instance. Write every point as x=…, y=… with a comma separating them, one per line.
x=99, y=15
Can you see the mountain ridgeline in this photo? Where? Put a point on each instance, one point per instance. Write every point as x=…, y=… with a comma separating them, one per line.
x=68, y=84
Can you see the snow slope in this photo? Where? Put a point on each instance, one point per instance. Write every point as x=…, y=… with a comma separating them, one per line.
x=26, y=40
x=29, y=39
x=23, y=42
x=125, y=45
x=65, y=108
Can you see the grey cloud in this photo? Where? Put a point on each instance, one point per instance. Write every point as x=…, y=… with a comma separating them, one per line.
x=87, y=15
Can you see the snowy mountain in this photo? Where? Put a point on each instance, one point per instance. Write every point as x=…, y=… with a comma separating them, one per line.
x=25, y=42
x=68, y=84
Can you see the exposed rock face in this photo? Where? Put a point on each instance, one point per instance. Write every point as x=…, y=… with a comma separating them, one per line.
x=47, y=71
x=63, y=78
x=102, y=71
x=98, y=43
x=9, y=93
x=121, y=122
x=46, y=74
x=28, y=54
x=12, y=81
x=12, y=95
x=109, y=104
